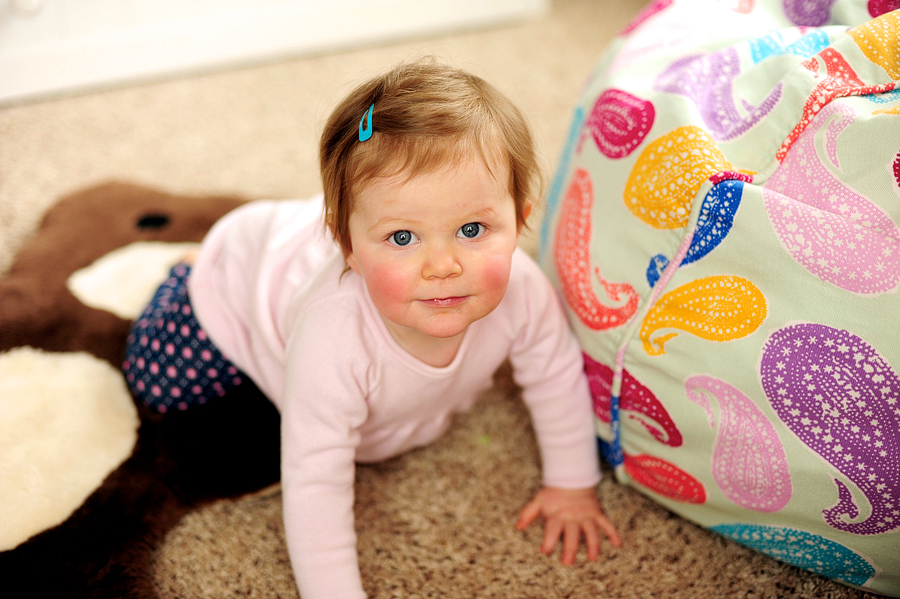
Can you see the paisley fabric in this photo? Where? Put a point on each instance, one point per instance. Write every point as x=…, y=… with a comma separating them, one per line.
x=839, y=396
x=669, y=173
x=720, y=308
x=619, y=122
x=724, y=226
x=635, y=398
x=806, y=550
x=573, y=264
x=707, y=79
x=748, y=459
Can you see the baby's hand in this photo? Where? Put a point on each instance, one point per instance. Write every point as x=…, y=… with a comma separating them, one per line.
x=569, y=513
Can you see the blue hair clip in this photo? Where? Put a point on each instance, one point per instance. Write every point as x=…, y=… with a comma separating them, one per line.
x=365, y=132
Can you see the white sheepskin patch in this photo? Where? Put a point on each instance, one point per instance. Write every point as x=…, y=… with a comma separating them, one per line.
x=124, y=280
x=66, y=422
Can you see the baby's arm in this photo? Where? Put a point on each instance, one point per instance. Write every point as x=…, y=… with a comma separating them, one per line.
x=569, y=514
x=548, y=365
x=319, y=531
x=321, y=413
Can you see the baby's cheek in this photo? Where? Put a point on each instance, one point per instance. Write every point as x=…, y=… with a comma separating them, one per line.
x=387, y=285
x=495, y=275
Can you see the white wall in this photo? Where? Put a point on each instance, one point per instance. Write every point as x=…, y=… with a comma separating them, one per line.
x=52, y=46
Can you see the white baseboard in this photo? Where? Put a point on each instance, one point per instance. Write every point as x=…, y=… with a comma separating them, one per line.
x=54, y=46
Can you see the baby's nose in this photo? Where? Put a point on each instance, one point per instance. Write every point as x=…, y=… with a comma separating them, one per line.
x=441, y=263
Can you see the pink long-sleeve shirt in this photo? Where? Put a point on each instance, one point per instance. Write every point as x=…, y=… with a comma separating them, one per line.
x=268, y=289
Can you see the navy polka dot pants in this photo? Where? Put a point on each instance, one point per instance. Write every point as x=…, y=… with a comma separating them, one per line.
x=170, y=363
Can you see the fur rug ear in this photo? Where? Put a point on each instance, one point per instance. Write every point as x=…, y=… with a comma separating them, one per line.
x=66, y=421
x=124, y=280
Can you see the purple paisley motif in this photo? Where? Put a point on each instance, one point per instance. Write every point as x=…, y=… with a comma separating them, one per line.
x=808, y=13
x=832, y=231
x=748, y=460
x=842, y=399
x=708, y=80
x=659, y=35
x=636, y=399
x=619, y=122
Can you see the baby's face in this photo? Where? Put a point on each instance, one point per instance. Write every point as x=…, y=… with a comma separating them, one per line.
x=435, y=250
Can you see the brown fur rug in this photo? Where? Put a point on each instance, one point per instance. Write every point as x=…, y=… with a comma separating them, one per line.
x=104, y=548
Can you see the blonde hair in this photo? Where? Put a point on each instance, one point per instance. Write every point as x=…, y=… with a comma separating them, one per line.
x=426, y=115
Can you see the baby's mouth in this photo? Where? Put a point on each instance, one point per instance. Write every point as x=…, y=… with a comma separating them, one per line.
x=446, y=302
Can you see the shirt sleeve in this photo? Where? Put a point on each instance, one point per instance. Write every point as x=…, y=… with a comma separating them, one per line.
x=549, y=367
x=324, y=405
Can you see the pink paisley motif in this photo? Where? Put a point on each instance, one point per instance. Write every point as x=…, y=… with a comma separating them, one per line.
x=619, y=122
x=573, y=262
x=635, y=398
x=664, y=478
x=880, y=7
x=647, y=12
x=832, y=231
x=748, y=460
x=742, y=6
x=839, y=80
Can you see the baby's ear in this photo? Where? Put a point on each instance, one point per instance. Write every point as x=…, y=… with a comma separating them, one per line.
x=526, y=212
x=351, y=262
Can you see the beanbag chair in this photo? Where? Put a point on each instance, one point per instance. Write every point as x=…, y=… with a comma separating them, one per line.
x=723, y=227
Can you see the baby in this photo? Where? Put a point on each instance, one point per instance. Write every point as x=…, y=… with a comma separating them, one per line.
x=369, y=333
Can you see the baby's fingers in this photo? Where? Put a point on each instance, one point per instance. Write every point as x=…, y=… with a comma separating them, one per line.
x=571, y=540
x=553, y=529
x=592, y=540
x=528, y=515
x=609, y=530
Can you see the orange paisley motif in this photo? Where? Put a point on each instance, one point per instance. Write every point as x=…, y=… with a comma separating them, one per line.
x=878, y=41
x=718, y=308
x=668, y=174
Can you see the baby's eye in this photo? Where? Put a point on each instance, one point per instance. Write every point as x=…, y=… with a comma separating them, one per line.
x=471, y=230
x=402, y=238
